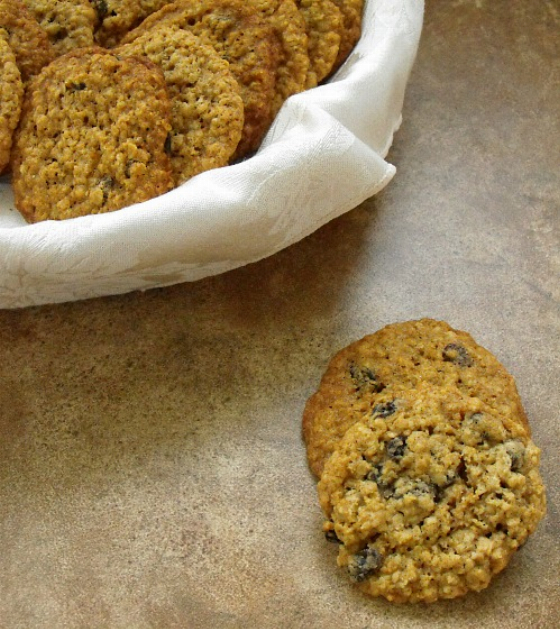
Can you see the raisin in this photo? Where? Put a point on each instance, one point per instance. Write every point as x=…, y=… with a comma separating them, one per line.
x=60, y=34
x=365, y=378
x=101, y=8
x=106, y=184
x=385, y=489
x=418, y=488
x=395, y=448
x=421, y=489
x=128, y=167
x=331, y=536
x=474, y=427
x=516, y=452
x=167, y=144
x=451, y=477
x=76, y=87
x=516, y=462
x=375, y=473
x=384, y=410
x=439, y=492
x=457, y=354
x=462, y=471
x=364, y=563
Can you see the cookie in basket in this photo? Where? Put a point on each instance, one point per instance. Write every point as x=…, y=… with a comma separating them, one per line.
x=290, y=28
x=207, y=109
x=402, y=355
x=245, y=40
x=116, y=17
x=11, y=94
x=323, y=21
x=27, y=39
x=92, y=136
x=352, y=12
x=430, y=495
x=68, y=23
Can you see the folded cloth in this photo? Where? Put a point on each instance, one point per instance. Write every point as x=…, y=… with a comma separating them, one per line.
x=324, y=155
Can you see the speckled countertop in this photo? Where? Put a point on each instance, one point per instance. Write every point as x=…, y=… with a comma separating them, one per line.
x=152, y=473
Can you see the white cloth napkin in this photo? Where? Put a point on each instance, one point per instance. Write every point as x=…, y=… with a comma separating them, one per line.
x=323, y=156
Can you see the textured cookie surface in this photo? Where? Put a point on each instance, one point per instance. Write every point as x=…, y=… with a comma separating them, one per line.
x=352, y=11
x=92, y=136
x=207, y=109
x=68, y=23
x=116, y=17
x=290, y=29
x=27, y=39
x=430, y=495
x=402, y=355
x=245, y=40
x=11, y=94
x=323, y=21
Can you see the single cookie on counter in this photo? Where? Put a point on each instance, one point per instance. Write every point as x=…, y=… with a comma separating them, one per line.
x=92, y=136
x=11, y=95
x=430, y=495
x=245, y=40
x=207, y=109
x=323, y=20
x=26, y=38
x=402, y=356
x=68, y=23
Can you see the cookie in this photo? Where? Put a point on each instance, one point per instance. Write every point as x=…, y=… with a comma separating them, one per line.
x=402, y=355
x=352, y=11
x=323, y=21
x=91, y=137
x=27, y=39
x=115, y=18
x=245, y=40
x=68, y=23
x=207, y=109
x=430, y=495
x=293, y=64
x=11, y=94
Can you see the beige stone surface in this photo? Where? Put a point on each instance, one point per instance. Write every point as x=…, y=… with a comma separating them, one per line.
x=152, y=474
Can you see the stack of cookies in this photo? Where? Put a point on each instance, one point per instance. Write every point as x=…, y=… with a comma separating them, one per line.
x=106, y=103
x=428, y=477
